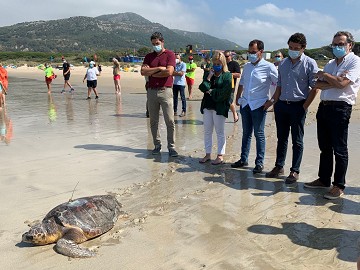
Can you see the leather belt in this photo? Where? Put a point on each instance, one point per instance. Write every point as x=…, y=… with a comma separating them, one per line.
x=333, y=102
x=292, y=102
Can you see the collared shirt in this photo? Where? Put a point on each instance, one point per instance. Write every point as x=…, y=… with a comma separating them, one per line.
x=180, y=80
x=297, y=79
x=350, y=68
x=256, y=80
x=164, y=59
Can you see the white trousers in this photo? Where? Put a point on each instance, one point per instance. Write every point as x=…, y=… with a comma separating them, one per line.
x=211, y=120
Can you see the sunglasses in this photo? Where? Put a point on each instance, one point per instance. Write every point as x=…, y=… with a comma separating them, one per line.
x=277, y=56
x=227, y=56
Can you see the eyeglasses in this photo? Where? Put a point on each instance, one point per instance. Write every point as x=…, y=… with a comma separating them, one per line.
x=277, y=56
x=227, y=56
x=337, y=45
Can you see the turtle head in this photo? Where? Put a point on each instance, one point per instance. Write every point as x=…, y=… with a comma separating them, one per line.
x=43, y=233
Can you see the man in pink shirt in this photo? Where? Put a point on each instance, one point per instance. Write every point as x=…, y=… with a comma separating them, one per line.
x=159, y=66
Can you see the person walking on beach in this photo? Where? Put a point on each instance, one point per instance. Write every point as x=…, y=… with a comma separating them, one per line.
x=116, y=74
x=66, y=74
x=91, y=79
x=293, y=95
x=215, y=106
x=4, y=82
x=49, y=76
x=234, y=68
x=159, y=65
x=253, y=92
x=339, y=83
x=190, y=75
x=179, y=85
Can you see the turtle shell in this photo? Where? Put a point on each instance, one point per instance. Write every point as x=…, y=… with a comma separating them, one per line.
x=94, y=215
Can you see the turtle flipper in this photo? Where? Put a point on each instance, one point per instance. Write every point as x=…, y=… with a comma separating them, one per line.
x=71, y=249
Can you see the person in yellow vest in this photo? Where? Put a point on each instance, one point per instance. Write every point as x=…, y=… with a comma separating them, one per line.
x=190, y=75
x=49, y=76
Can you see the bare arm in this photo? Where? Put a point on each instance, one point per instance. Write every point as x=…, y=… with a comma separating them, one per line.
x=236, y=75
x=148, y=71
x=275, y=97
x=310, y=98
x=178, y=73
x=239, y=93
x=168, y=71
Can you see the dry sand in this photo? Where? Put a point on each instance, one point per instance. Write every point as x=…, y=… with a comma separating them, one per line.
x=180, y=214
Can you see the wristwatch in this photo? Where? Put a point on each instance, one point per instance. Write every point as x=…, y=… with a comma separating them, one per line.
x=272, y=101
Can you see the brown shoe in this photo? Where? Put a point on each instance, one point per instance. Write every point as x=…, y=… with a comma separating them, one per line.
x=334, y=193
x=292, y=178
x=315, y=184
x=275, y=172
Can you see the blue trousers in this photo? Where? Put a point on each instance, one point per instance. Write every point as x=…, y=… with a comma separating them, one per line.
x=253, y=121
x=290, y=117
x=176, y=90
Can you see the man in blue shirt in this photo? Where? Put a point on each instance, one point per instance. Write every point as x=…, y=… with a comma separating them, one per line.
x=253, y=92
x=293, y=95
x=179, y=85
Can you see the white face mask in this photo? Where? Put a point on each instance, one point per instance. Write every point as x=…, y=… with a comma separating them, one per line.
x=177, y=61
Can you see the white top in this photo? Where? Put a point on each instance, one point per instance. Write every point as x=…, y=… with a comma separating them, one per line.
x=91, y=74
x=256, y=80
x=350, y=68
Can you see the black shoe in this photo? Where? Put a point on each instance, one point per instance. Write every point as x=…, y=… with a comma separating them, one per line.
x=258, y=169
x=173, y=153
x=96, y=97
x=88, y=98
x=292, y=178
x=147, y=114
x=156, y=150
x=275, y=172
x=239, y=164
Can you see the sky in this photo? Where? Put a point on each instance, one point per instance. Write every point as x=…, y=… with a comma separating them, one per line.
x=239, y=21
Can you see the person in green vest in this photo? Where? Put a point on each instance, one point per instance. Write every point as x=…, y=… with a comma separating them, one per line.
x=190, y=75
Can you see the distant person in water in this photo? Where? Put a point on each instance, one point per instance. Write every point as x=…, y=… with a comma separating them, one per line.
x=91, y=79
x=66, y=74
x=116, y=73
x=49, y=76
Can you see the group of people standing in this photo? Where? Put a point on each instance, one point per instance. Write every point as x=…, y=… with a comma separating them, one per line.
x=295, y=81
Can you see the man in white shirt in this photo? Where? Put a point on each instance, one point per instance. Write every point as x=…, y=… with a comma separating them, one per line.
x=253, y=92
x=339, y=82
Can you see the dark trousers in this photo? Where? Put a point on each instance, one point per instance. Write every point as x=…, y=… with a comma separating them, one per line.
x=289, y=116
x=176, y=90
x=332, y=133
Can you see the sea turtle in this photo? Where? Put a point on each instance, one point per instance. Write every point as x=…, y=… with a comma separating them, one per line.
x=74, y=222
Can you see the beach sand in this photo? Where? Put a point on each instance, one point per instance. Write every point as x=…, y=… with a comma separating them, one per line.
x=179, y=214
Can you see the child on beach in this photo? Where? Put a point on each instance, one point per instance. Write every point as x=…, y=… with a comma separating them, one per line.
x=49, y=76
x=116, y=73
x=91, y=77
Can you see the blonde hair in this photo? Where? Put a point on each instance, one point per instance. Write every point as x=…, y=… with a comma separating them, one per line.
x=219, y=56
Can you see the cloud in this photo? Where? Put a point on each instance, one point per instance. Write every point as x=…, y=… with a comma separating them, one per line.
x=274, y=26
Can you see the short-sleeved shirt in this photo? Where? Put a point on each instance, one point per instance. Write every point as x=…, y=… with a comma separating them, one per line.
x=350, y=68
x=66, y=67
x=256, y=80
x=164, y=59
x=297, y=79
x=233, y=67
x=91, y=74
x=49, y=72
x=180, y=80
x=190, y=74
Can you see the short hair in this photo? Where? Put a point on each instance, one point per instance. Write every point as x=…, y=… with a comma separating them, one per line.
x=157, y=35
x=349, y=37
x=259, y=44
x=221, y=57
x=279, y=53
x=298, y=38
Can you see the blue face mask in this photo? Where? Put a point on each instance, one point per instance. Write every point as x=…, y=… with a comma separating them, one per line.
x=157, y=48
x=91, y=65
x=294, y=54
x=339, y=51
x=217, y=68
x=277, y=59
x=252, y=57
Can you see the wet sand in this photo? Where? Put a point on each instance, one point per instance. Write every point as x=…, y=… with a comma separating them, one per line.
x=179, y=214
